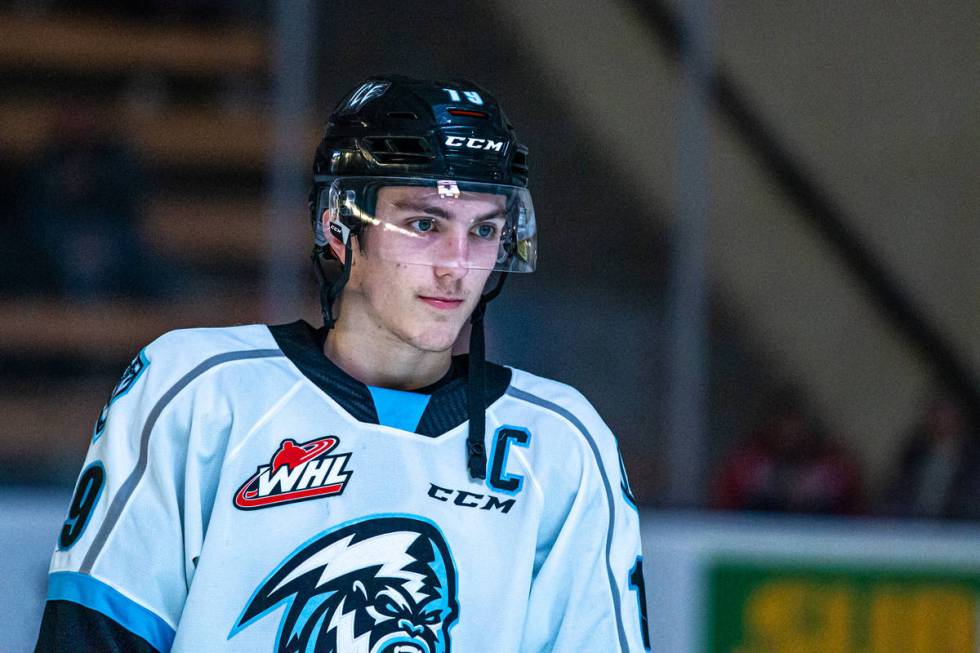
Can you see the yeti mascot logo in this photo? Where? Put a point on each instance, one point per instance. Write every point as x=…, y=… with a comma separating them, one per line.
x=381, y=585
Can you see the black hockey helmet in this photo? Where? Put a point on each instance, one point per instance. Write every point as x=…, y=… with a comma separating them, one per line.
x=395, y=126
x=451, y=136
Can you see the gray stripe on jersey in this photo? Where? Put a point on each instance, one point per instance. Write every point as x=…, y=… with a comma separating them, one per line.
x=129, y=486
x=544, y=403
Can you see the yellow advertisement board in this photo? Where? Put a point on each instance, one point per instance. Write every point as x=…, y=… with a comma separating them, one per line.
x=760, y=607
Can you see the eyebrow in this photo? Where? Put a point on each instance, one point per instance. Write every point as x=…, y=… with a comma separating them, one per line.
x=439, y=212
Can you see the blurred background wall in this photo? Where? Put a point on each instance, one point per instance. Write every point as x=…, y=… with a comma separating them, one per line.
x=759, y=220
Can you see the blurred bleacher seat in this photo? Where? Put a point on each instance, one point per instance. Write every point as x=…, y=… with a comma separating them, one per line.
x=189, y=98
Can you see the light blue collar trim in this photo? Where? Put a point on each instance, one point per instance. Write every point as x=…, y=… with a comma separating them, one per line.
x=397, y=408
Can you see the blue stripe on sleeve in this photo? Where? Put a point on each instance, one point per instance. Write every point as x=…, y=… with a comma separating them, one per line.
x=96, y=595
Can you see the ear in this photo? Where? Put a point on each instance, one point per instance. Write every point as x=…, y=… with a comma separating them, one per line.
x=337, y=248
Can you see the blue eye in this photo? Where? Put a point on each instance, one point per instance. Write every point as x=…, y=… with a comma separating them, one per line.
x=423, y=225
x=431, y=618
x=388, y=607
x=486, y=231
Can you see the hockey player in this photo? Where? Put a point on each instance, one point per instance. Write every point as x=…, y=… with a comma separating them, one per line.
x=356, y=488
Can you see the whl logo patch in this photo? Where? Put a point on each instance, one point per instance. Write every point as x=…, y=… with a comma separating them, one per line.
x=297, y=472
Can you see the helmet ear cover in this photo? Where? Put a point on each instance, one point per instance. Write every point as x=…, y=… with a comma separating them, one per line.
x=319, y=205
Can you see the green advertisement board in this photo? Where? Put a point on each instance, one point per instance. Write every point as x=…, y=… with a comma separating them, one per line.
x=772, y=607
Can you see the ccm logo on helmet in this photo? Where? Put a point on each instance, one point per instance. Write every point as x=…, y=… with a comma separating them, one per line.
x=475, y=143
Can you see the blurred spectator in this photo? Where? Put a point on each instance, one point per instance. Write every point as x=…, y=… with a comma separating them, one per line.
x=938, y=474
x=788, y=466
x=82, y=207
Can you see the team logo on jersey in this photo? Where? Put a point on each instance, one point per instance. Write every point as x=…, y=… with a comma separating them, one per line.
x=129, y=378
x=379, y=585
x=297, y=472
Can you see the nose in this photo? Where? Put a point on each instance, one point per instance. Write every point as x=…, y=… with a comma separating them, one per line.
x=453, y=258
x=450, y=271
x=409, y=627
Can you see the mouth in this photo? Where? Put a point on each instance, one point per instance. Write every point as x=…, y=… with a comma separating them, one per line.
x=403, y=648
x=444, y=303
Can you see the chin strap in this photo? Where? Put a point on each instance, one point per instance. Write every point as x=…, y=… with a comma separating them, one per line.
x=330, y=291
x=476, y=450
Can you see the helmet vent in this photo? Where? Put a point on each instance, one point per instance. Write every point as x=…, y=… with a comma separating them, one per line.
x=399, y=149
x=404, y=115
x=519, y=163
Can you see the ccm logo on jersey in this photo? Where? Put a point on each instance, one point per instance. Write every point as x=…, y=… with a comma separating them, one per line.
x=297, y=472
x=475, y=143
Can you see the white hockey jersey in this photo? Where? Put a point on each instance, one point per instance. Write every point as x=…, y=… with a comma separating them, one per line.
x=242, y=493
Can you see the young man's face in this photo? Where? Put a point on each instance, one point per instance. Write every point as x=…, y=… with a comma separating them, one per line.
x=423, y=268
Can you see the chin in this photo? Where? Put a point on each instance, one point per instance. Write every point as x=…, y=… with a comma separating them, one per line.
x=432, y=342
x=436, y=337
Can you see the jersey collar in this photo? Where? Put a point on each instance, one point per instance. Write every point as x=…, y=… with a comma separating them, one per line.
x=303, y=346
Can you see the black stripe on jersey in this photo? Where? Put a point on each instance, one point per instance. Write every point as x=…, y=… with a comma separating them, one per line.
x=303, y=346
x=544, y=403
x=68, y=626
x=447, y=408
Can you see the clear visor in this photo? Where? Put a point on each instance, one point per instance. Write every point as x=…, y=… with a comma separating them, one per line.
x=458, y=224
